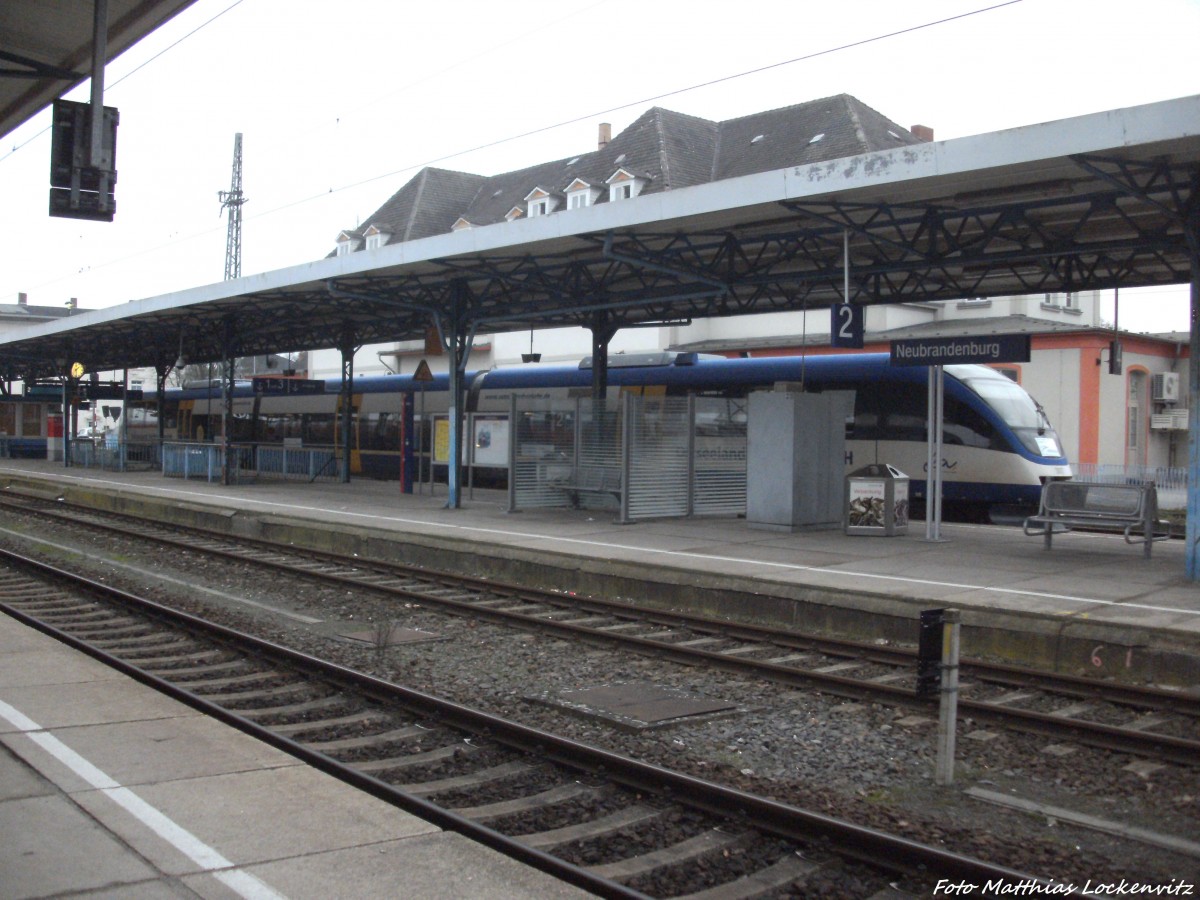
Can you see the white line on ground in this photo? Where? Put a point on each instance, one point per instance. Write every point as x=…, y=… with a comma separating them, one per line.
x=680, y=554
x=204, y=856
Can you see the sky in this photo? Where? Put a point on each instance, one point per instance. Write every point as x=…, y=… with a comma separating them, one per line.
x=340, y=104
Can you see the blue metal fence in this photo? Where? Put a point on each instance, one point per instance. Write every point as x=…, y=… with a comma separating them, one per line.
x=251, y=462
x=1171, y=481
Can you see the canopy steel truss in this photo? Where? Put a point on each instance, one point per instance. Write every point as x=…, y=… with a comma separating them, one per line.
x=1099, y=202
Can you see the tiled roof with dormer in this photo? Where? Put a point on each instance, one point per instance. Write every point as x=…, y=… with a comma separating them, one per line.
x=428, y=204
x=817, y=131
x=665, y=150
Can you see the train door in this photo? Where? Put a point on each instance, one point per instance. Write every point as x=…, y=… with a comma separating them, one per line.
x=863, y=427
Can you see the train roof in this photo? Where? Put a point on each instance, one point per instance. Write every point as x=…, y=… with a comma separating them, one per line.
x=699, y=371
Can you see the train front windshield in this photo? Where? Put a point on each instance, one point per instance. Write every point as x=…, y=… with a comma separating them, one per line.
x=1019, y=411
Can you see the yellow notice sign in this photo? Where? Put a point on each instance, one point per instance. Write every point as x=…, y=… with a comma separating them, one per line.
x=441, y=441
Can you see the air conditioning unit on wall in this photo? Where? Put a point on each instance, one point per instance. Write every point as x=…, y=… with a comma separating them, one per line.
x=1164, y=387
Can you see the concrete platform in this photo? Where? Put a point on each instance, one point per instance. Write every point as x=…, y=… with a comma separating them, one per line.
x=108, y=789
x=1091, y=605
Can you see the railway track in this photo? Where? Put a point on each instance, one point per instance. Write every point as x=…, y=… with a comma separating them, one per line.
x=1143, y=721
x=607, y=823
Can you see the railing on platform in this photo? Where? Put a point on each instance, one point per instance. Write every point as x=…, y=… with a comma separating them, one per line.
x=250, y=462
x=118, y=456
x=1171, y=481
x=296, y=463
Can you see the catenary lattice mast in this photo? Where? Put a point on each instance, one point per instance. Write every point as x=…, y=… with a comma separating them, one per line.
x=232, y=200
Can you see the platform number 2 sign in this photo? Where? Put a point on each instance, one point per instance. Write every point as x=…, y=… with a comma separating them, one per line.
x=846, y=325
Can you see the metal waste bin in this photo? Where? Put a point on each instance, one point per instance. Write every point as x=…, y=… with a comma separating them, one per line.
x=877, y=501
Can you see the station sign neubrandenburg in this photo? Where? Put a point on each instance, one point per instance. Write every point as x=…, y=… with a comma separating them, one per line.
x=993, y=348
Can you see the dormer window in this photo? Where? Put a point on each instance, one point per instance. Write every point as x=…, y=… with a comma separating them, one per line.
x=540, y=202
x=347, y=243
x=580, y=194
x=376, y=238
x=515, y=213
x=461, y=224
x=624, y=185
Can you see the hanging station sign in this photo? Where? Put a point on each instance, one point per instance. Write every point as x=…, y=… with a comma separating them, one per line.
x=288, y=386
x=992, y=348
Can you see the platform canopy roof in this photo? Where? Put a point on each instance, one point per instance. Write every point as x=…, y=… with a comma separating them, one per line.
x=1100, y=201
x=46, y=48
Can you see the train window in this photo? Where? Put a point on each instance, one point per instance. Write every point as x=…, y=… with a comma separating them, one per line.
x=379, y=431
x=863, y=426
x=1012, y=403
x=31, y=418
x=317, y=428
x=902, y=410
x=965, y=426
x=8, y=418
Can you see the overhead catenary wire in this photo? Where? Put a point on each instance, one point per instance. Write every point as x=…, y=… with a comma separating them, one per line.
x=324, y=194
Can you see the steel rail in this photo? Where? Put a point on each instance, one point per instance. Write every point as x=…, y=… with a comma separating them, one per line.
x=868, y=845
x=1182, y=751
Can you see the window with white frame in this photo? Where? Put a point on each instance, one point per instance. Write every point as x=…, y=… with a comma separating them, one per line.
x=540, y=202
x=1135, y=450
x=580, y=194
x=624, y=185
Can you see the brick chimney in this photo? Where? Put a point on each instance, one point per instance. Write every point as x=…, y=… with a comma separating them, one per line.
x=605, y=135
x=922, y=133
x=22, y=299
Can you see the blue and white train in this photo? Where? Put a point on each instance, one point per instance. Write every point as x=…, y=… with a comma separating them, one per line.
x=999, y=447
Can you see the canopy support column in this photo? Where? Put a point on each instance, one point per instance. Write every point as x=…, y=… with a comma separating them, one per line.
x=228, y=375
x=457, y=341
x=68, y=403
x=160, y=395
x=602, y=333
x=348, y=348
x=1192, y=533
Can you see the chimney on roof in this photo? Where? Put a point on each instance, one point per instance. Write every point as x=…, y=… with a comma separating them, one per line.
x=605, y=135
x=22, y=299
x=73, y=303
x=922, y=133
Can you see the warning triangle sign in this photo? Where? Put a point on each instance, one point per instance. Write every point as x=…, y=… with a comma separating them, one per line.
x=422, y=373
